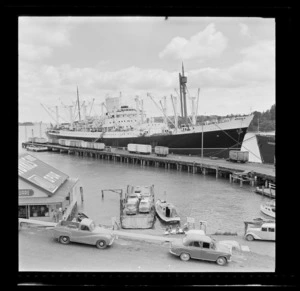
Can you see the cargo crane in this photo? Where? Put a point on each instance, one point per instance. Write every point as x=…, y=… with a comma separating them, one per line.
x=166, y=117
x=48, y=110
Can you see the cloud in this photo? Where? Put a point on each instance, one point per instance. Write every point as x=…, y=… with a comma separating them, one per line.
x=244, y=29
x=258, y=63
x=207, y=43
x=38, y=36
x=33, y=52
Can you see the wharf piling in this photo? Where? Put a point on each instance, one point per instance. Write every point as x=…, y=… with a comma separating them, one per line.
x=247, y=173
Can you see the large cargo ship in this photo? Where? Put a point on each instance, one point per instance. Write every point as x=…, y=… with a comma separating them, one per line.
x=122, y=125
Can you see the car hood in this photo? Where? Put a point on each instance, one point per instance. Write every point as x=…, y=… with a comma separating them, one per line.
x=223, y=248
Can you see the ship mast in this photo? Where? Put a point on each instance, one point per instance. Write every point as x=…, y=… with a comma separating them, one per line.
x=182, y=84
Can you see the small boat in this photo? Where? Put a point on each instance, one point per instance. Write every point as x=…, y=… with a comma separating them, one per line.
x=37, y=148
x=166, y=211
x=268, y=208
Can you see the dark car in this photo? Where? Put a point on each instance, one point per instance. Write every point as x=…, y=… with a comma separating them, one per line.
x=202, y=247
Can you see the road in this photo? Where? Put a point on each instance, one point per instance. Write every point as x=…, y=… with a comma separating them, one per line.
x=39, y=251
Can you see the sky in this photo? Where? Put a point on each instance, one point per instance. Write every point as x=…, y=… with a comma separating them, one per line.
x=231, y=60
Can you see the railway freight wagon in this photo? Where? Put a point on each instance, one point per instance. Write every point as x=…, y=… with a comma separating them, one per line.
x=62, y=142
x=53, y=140
x=144, y=149
x=99, y=146
x=239, y=156
x=131, y=147
x=161, y=151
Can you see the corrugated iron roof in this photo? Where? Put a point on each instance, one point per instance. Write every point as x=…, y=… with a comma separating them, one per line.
x=41, y=174
x=59, y=196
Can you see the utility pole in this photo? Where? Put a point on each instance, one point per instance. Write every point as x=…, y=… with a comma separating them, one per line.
x=78, y=104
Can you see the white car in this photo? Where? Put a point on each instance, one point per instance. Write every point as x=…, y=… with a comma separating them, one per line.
x=265, y=232
x=145, y=206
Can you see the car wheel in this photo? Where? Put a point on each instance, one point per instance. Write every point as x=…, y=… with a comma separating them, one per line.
x=101, y=244
x=64, y=240
x=249, y=237
x=221, y=261
x=185, y=257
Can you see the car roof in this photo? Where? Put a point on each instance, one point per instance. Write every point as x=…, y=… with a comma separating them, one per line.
x=198, y=237
x=130, y=200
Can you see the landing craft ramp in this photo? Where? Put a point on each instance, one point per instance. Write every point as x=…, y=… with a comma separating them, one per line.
x=138, y=221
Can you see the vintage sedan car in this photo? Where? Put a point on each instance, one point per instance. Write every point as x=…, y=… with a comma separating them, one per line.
x=131, y=206
x=144, y=206
x=202, y=247
x=265, y=232
x=85, y=232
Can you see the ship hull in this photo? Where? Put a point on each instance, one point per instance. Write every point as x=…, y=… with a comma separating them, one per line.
x=215, y=143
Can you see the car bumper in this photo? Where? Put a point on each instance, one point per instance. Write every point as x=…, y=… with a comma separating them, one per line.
x=172, y=252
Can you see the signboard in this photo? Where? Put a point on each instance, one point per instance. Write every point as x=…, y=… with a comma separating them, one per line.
x=26, y=192
x=41, y=174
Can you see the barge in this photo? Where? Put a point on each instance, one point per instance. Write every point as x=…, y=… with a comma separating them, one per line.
x=133, y=214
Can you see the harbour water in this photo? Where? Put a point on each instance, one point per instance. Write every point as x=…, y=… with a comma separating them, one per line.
x=222, y=205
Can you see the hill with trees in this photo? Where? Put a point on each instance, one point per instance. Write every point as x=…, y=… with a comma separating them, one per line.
x=262, y=121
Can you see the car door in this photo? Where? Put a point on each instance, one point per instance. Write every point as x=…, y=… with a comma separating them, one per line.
x=264, y=234
x=271, y=233
x=194, y=249
x=82, y=234
x=207, y=253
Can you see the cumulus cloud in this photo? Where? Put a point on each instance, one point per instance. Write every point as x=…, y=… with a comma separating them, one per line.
x=206, y=43
x=244, y=29
x=258, y=63
x=38, y=36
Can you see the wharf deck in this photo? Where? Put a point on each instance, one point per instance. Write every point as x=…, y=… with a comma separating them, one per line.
x=193, y=164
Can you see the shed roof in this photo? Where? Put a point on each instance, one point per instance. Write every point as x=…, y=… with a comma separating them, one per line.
x=59, y=196
x=40, y=174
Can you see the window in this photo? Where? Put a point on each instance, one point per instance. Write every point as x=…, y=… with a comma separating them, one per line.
x=205, y=245
x=196, y=244
x=84, y=227
x=271, y=229
x=39, y=211
x=264, y=229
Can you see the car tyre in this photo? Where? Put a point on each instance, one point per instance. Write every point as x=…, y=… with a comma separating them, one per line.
x=221, y=261
x=101, y=244
x=249, y=237
x=185, y=257
x=64, y=240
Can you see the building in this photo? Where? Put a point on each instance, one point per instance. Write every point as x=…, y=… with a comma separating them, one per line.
x=43, y=190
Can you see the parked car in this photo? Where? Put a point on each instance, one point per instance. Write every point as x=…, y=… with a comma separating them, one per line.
x=265, y=232
x=131, y=206
x=145, y=206
x=85, y=232
x=201, y=247
x=136, y=195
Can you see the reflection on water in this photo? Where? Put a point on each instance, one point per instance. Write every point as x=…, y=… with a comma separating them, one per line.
x=223, y=205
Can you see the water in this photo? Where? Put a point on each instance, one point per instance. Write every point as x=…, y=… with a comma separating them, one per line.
x=223, y=205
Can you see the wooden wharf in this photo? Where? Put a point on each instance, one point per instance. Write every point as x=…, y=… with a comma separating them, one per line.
x=252, y=173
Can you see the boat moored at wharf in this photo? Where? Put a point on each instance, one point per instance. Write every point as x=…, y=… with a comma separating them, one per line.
x=123, y=125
